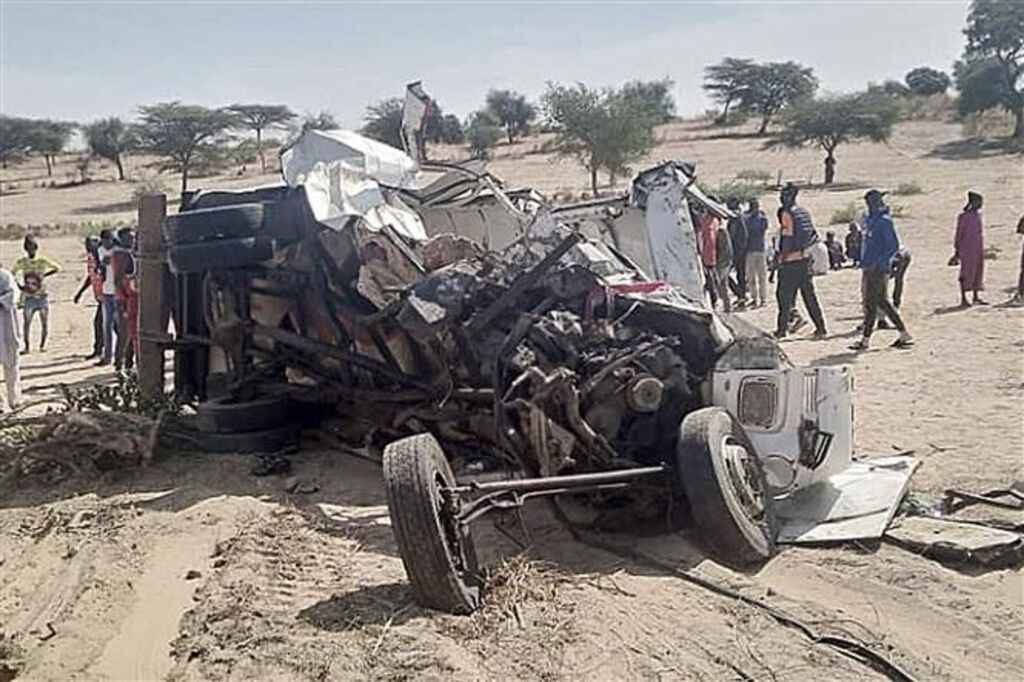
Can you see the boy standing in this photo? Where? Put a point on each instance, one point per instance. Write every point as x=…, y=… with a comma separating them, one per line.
x=34, y=269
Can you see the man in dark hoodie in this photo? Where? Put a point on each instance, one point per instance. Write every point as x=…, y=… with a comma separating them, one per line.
x=796, y=235
x=881, y=245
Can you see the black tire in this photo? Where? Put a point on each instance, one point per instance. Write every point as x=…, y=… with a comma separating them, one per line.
x=228, y=415
x=265, y=440
x=221, y=222
x=725, y=487
x=222, y=254
x=281, y=220
x=440, y=562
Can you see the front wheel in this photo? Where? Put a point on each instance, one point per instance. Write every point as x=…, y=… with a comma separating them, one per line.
x=725, y=486
x=439, y=559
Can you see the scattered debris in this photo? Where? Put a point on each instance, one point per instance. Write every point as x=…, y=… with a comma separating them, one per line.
x=193, y=574
x=958, y=543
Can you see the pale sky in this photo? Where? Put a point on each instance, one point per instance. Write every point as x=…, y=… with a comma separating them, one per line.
x=80, y=61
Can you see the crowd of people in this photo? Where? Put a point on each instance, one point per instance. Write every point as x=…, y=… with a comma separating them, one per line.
x=738, y=258
x=111, y=276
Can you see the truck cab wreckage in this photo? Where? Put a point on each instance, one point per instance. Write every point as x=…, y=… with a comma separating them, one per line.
x=504, y=349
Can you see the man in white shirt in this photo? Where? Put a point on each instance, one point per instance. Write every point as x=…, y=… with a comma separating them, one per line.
x=108, y=301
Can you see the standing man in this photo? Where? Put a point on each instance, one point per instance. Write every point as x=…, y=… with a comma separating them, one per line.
x=880, y=248
x=796, y=235
x=108, y=291
x=723, y=263
x=757, y=264
x=1018, y=296
x=854, y=243
x=738, y=237
x=707, y=232
x=969, y=251
x=9, y=341
x=34, y=270
x=127, y=297
x=93, y=280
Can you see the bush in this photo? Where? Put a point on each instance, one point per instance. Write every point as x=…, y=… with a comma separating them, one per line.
x=906, y=189
x=744, y=191
x=846, y=215
x=755, y=175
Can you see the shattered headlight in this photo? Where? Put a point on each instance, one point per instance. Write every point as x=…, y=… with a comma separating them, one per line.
x=758, y=399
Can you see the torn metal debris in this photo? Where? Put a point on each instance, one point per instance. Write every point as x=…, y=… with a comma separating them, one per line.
x=482, y=332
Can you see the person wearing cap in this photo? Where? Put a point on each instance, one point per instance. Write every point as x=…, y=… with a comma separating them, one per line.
x=881, y=245
x=969, y=251
x=34, y=269
x=796, y=236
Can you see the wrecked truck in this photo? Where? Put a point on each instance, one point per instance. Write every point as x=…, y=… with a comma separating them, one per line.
x=502, y=349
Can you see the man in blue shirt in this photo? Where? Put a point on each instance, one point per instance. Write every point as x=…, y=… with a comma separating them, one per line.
x=756, y=265
x=880, y=247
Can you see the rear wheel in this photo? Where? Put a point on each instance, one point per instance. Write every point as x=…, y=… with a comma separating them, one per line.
x=439, y=559
x=725, y=486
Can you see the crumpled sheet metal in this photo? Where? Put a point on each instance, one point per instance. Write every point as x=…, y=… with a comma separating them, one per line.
x=346, y=174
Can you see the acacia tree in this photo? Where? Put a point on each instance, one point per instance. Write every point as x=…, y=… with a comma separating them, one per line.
x=183, y=134
x=15, y=135
x=321, y=121
x=49, y=139
x=602, y=129
x=482, y=133
x=109, y=139
x=828, y=123
x=773, y=86
x=925, y=80
x=726, y=82
x=990, y=74
x=656, y=96
x=260, y=117
x=384, y=122
x=511, y=111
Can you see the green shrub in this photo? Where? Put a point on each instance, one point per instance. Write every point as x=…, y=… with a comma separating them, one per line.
x=744, y=191
x=846, y=214
x=754, y=175
x=906, y=189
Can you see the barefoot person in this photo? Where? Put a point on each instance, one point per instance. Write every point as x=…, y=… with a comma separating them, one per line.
x=34, y=270
x=969, y=251
x=880, y=248
x=9, y=341
x=94, y=280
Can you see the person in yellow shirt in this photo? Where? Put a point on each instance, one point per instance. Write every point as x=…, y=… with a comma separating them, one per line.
x=34, y=269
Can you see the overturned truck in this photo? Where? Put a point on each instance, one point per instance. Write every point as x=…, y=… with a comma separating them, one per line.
x=502, y=349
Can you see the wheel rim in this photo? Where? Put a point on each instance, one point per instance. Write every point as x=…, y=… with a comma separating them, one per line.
x=743, y=477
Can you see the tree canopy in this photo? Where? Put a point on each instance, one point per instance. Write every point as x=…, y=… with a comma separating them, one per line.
x=108, y=139
x=183, y=134
x=511, y=111
x=383, y=122
x=260, y=117
x=828, y=123
x=482, y=133
x=15, y=135
x=602, y=129
x=323, y=120
x=726, y=82
x=925, y=80
x=989, y=75
x=775, y=85
x=655, y=96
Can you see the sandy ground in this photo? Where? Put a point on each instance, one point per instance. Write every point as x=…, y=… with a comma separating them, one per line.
x=194, y=569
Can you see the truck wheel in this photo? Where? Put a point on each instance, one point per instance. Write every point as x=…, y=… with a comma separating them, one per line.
x=725, y=486
x=228, y=415
x=222, y=254
x=439, y=560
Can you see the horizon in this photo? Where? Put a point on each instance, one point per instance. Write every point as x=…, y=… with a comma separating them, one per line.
x=85, y=61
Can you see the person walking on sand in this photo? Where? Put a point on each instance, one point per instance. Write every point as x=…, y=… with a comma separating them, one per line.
x=881, y=244
x=757, y=262
x=9, y=341
x=796, y=236
x=94, y=280
x=969, y=251
x=34, y=270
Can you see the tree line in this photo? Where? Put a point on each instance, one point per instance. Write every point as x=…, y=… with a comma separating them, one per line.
x=604, y=129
